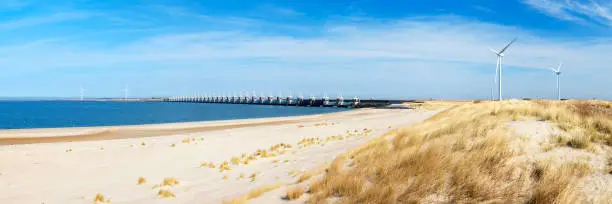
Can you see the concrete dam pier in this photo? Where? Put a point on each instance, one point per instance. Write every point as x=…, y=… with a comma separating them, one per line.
x=289, y=101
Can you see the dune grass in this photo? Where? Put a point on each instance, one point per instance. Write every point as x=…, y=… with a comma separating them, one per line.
x=294, y=192
x=171, y=181
x=165, y=193
x=464, y=155
x=253, y=194
x=141, y=180
x=101, y=199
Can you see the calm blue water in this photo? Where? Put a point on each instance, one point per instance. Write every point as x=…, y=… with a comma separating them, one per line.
x=49, y=114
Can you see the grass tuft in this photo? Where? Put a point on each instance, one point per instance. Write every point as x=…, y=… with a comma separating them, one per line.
x=141, y=180
x=224, y=167
x=261, y=190
x=294, y=193
x=165, y=193
x=100, y=199
x=170, y=182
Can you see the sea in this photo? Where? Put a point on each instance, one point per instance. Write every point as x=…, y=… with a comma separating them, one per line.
x=56, y=114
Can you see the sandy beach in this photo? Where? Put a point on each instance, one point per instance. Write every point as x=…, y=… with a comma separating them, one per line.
x=128, y=164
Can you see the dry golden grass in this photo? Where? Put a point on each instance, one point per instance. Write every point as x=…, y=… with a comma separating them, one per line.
x=253, y=194
x=225, y=177
x=253, y=177
x=208, y=164
x=323, y=124
x=100, y=199
x=165, y=193
x=462, y=155
x=142, y=180
x=309, y=174
x=294, y=192
x=235, y=160
x=171, y=181
x=224, y=166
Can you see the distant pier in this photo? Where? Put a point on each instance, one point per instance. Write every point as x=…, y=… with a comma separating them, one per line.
x=339, y=102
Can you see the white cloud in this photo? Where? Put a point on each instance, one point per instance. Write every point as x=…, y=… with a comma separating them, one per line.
x=442, y=56
x=483, y=9
x=38, y=20
x=582, y=11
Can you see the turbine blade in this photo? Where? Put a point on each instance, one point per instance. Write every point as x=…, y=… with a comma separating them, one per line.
x=493, y=50
x=559, y=67
x=553, y=69
x=505, y=48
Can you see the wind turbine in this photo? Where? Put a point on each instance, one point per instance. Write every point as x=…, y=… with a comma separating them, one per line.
x=558, y=73
x=82, y=93
x=498, y=67
x=125, y=93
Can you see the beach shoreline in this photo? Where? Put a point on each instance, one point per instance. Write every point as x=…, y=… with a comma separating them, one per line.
x=73, y=134
x=213, y=161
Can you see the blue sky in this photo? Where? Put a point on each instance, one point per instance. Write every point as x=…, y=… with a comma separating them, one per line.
x=392, y=48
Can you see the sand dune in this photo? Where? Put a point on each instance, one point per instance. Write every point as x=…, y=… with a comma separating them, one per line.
x=76, y=165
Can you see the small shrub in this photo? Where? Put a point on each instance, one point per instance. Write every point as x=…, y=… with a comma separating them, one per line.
x=235, y=160
x=579, y=142
x=165, y=193
x=142, y=180
x=170, y=182
x=100, y=199
x=224, y=167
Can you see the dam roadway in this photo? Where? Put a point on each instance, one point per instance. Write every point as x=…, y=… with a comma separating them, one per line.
x=290, y=101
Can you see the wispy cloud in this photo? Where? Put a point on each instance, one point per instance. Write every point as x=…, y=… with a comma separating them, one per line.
x=439, y=53
x=13, y=4
x=38, y=20
x=581, y=11
x=271, y=9
x=483, y=9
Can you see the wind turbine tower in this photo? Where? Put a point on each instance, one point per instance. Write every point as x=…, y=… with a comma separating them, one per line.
x=558, y=73
x=498, y=67
x=125, y=93
x=82, y=93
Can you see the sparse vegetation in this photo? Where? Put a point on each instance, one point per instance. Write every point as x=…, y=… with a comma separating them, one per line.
x=253, y=194
x=165, y=193
x=463, y=155
x=142, y=180
x=170, y=182
x=224, y=166
x=101, y=199
x=294, y=192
